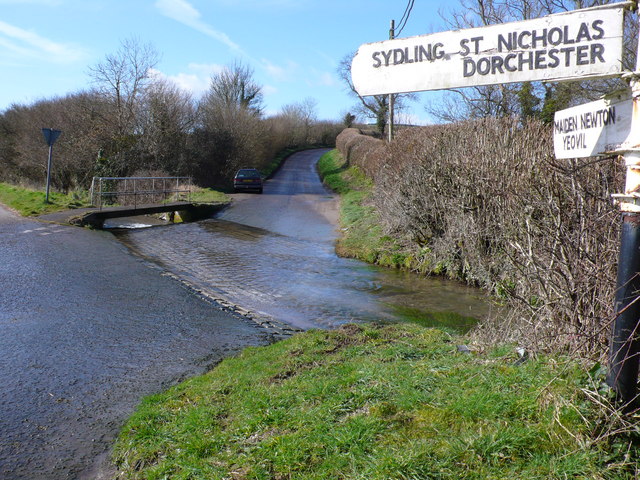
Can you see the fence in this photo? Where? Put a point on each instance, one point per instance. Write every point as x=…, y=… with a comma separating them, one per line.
x=127, y=191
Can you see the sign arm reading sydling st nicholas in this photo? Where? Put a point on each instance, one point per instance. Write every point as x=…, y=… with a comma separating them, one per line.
x=581, y=44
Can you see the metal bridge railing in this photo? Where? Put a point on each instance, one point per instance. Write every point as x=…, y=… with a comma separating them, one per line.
x=134, y=191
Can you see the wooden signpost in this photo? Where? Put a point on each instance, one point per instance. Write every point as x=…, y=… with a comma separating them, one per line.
x=577, y=45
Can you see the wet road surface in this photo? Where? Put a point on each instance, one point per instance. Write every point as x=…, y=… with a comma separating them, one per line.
x=274, y=255
x=86, y=330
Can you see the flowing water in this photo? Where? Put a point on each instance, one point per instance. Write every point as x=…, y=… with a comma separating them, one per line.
x=301, y=282
x=273, y=255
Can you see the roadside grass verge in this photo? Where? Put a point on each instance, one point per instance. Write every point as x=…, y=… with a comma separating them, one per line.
x=372, y=402
x=362, y=236
x=29, y=202
x=361, y=233
x=209, y=195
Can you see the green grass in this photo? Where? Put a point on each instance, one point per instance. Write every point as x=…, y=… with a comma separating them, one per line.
x=209, y=195
x=371, y=402
x=362, y=236
x=30, y=202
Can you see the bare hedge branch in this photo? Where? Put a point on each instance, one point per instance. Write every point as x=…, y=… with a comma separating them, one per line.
x=485, y=201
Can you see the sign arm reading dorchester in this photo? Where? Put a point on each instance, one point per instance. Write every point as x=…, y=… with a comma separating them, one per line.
x=581, y=44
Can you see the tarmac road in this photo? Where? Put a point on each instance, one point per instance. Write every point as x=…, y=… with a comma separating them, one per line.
x=295, y=203
x=86, y=330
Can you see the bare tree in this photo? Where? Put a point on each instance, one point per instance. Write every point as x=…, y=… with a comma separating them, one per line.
x=522, y=99
x=299, y=119
x=121, y=80
x=234, y=87
x=166, y=119
x=375, y=106
x=23, y=150
x=231, y=132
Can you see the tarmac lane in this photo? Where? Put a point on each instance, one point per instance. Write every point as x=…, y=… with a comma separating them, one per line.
x=86, y=330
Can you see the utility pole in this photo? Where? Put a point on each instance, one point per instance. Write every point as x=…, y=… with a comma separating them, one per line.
x=391, y=37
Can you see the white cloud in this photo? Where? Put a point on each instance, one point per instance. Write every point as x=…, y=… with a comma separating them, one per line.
x=30, y=44
x=280, y=73
x=183, y=12
x=327, y=79
x=269, y=90
x=321, y=79
x=330, y=60
x=195, y=80
x=253, y=4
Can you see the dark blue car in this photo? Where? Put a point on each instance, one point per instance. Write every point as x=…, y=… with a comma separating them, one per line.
x=247, y=179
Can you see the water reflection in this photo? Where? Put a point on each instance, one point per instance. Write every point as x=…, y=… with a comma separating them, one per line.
x=299, y=281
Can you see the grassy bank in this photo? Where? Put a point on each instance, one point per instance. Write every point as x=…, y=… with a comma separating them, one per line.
x=372, y=402
x=30, y=203
x=361, y=235
x=209, y=195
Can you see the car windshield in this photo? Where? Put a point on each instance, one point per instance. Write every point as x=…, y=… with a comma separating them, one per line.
x=248, y=174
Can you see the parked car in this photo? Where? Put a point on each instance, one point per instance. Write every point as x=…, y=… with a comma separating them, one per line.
x=247, y=179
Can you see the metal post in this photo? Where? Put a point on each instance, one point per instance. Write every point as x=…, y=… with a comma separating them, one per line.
x=391, y=106
x=46, y=198
x=624, y=350
x=50, y=136
x=623, y=359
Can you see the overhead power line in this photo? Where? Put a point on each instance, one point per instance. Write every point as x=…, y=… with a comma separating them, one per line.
x=405, y=17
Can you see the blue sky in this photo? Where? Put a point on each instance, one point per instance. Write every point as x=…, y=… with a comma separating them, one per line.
x=293, y=46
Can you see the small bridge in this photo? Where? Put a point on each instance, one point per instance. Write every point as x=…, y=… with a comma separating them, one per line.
x=116, y=197
x=188, y=212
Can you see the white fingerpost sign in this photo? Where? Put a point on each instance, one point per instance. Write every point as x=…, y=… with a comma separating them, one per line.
x=593, y=128
x=581, y=44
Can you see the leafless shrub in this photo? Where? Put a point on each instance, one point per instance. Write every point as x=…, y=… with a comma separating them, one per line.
x=486, y=202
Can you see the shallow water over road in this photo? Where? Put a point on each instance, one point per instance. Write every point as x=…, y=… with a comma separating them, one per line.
x=273, y=254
